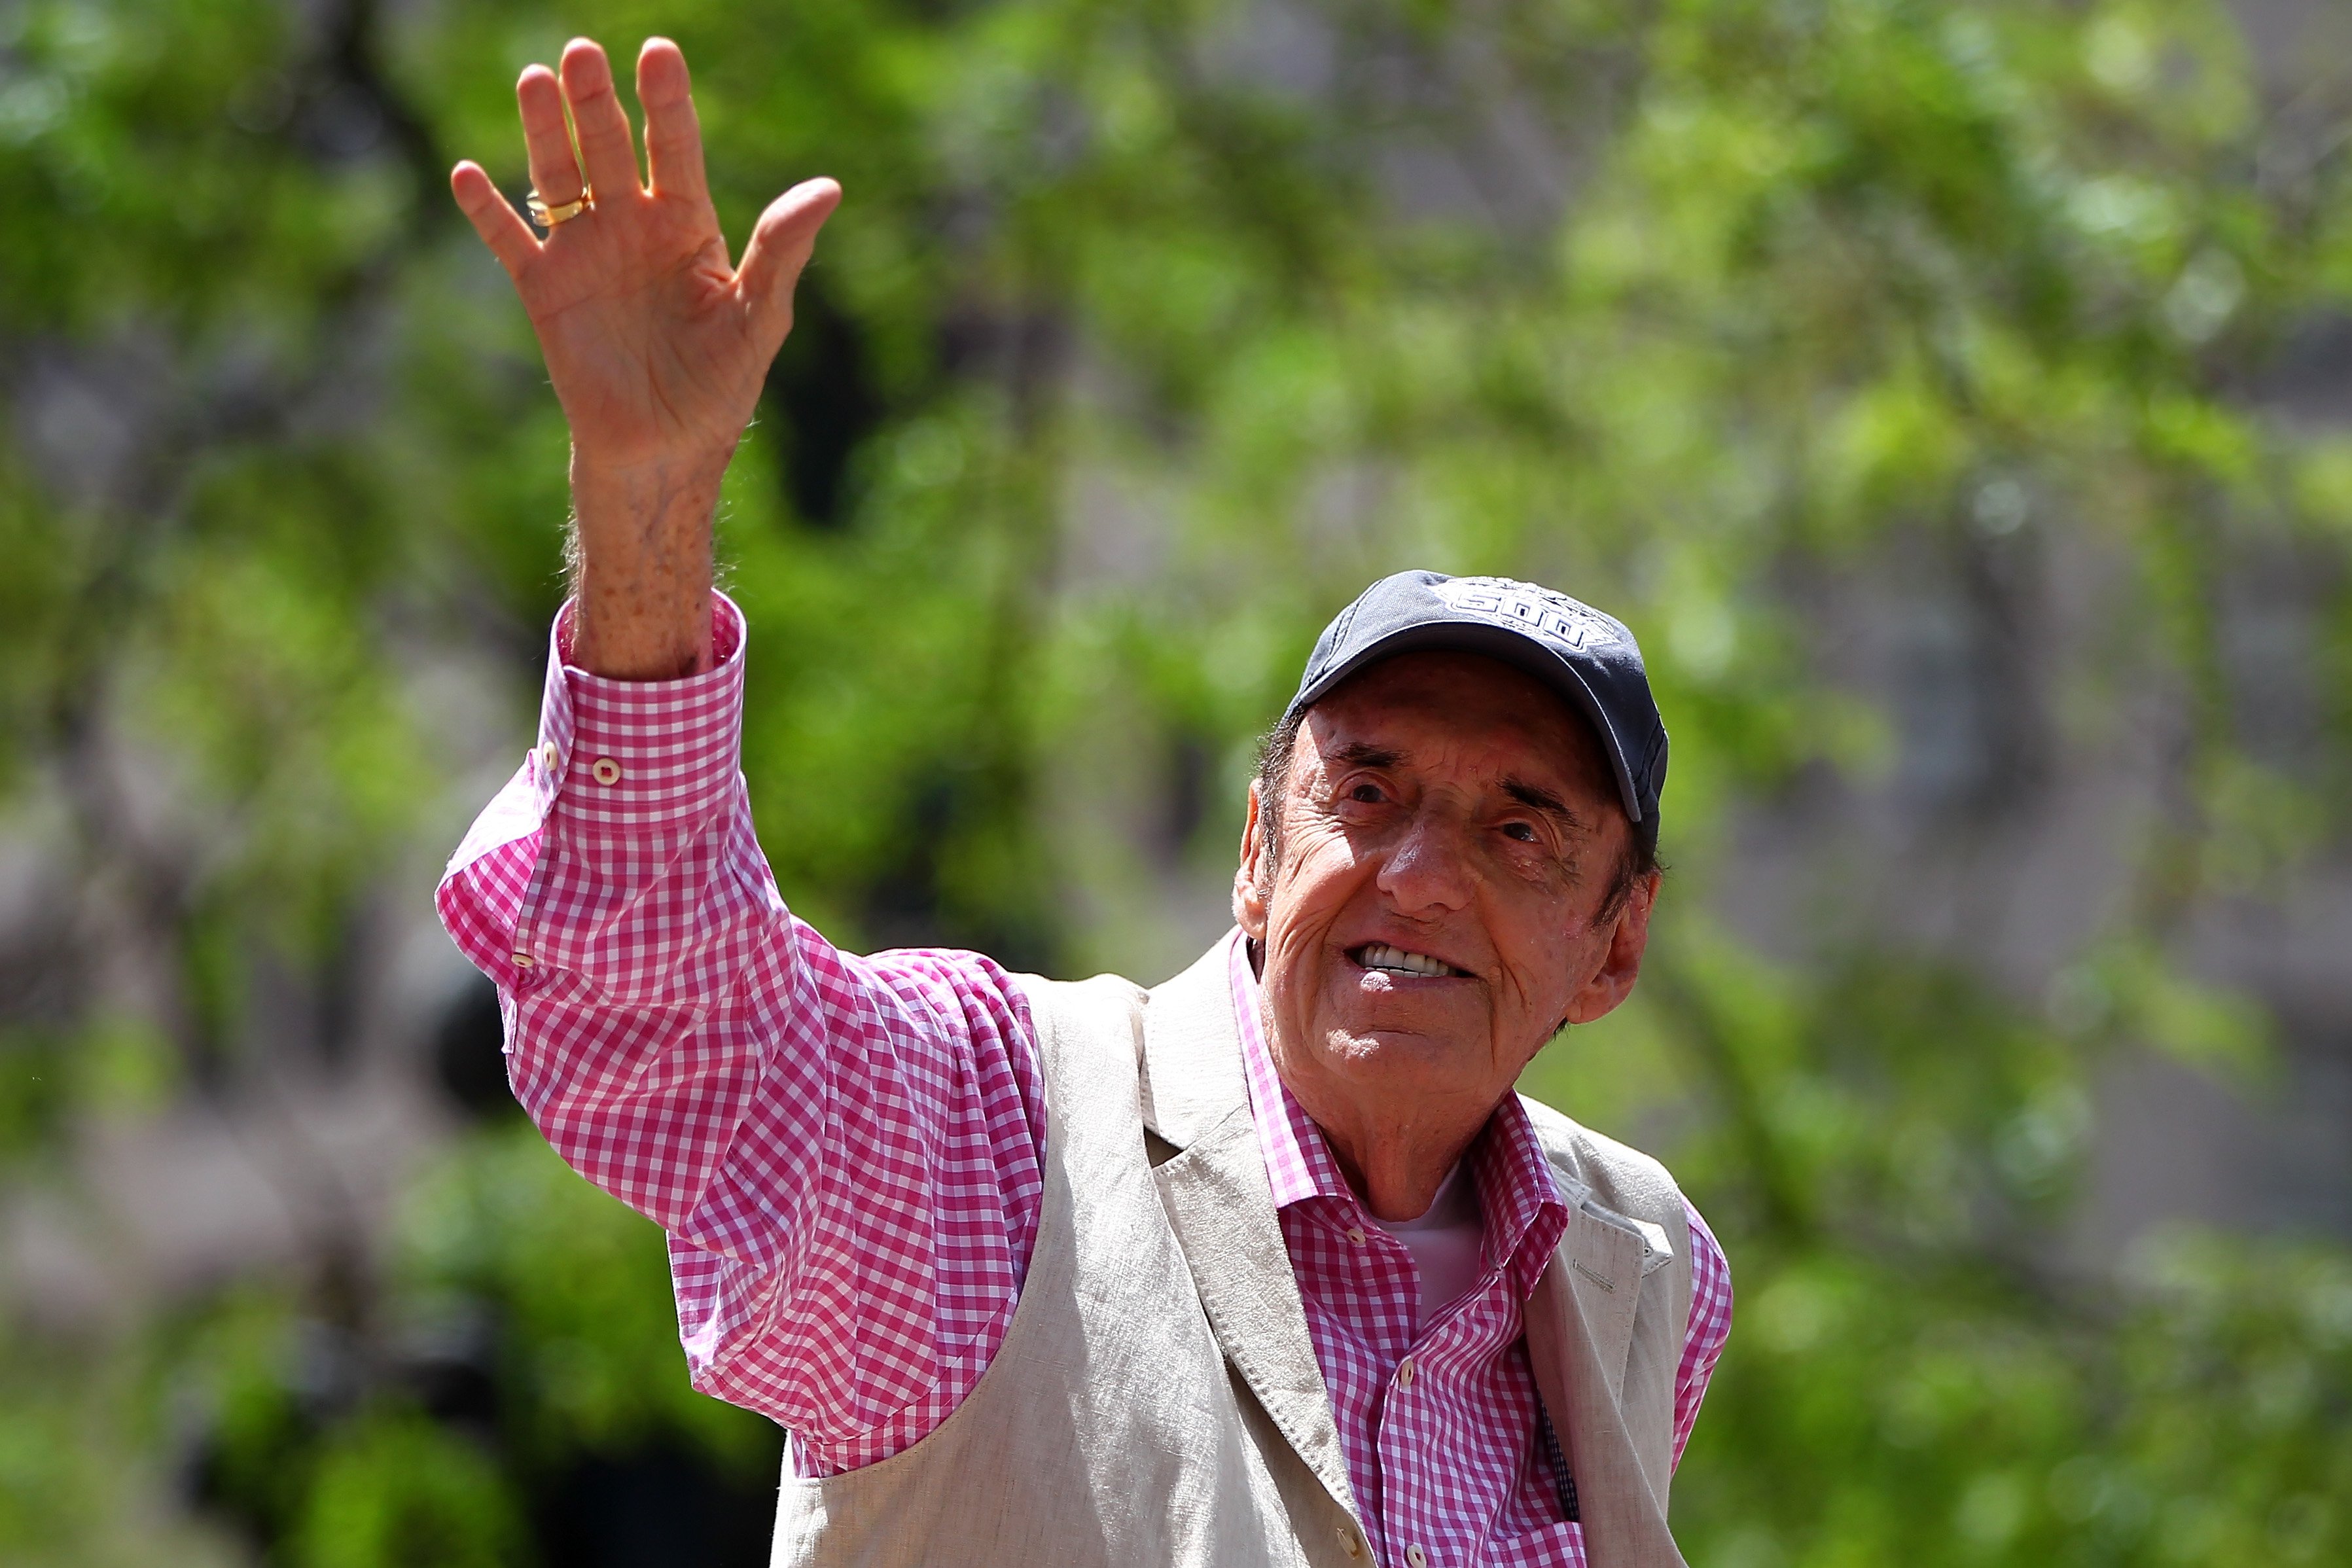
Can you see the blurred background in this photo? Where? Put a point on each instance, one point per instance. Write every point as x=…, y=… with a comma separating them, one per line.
x=1955, y=398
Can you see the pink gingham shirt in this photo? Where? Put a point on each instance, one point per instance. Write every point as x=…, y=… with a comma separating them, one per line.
x=1447, y=1447
x=845, y=1150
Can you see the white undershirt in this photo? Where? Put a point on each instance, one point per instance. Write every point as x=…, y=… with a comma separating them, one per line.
x=1447, y=1243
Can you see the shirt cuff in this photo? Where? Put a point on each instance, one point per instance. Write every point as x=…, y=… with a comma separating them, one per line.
x=636, y=755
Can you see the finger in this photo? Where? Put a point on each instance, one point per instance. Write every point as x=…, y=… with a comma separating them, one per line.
x=781, y=246
x=554, y=173
x=501, y=227
x=606, y=147
x=673, y=133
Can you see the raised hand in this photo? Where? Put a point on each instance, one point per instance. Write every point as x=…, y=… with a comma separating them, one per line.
x=657, y=344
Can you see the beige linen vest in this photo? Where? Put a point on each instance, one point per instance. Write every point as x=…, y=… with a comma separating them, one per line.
x=1157, y=1398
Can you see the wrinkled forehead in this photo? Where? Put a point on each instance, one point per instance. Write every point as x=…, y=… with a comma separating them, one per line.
x=1458, y=709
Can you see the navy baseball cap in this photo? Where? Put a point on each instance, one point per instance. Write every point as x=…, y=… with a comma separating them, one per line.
x=1588, y=658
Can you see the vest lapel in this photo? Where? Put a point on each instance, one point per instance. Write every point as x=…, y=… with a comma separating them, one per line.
x=1216, y=1193
x=1580, y=1328
x=1603, y=1269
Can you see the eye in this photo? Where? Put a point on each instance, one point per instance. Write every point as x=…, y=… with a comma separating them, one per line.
x=1370, y=793
x=1525, y=832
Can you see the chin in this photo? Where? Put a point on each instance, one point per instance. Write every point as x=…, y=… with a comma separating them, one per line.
x=1394, y=1047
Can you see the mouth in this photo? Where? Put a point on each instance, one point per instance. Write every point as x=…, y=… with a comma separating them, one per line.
x=1382, y=959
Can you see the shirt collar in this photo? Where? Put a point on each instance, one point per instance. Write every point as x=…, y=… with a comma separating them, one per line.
x=1518, y=1200
x=1299, y=1164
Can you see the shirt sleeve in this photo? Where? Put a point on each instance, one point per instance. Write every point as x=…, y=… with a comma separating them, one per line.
x=1710, y=1328
x=844, y=1150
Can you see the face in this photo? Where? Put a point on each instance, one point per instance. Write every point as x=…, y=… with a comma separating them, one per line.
x=1450, y=835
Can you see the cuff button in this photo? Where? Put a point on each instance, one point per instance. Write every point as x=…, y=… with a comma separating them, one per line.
x=604, y=770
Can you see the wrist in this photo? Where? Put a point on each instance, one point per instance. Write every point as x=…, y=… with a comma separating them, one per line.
x=635, y=515
x=633, y=470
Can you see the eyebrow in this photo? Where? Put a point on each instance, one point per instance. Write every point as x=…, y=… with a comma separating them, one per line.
x=1534, y=798
x=1363, y=754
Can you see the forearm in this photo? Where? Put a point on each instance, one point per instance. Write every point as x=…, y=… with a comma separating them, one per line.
x=642, y=562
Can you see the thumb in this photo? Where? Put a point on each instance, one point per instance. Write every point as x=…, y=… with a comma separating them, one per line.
x=781, y=244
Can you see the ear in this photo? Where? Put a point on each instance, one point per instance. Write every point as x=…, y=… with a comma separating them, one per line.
x=1621, y=964
x=1249, y=877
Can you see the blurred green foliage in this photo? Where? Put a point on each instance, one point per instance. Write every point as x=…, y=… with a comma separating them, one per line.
x=1782, y=286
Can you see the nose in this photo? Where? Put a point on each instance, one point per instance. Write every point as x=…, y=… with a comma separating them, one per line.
x=1427, y=869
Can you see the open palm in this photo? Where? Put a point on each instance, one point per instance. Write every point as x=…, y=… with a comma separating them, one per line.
x=657, y=344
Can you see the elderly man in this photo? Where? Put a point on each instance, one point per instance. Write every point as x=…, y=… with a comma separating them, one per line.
x=1267, y=1265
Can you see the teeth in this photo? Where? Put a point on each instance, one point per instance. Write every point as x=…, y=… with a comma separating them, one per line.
x=1379, y=957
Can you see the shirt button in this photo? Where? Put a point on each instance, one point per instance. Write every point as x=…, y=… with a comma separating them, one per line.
x=604, y=770
x=1355, y=1234
x=547, y=760
x=524, y=960
x=1416, y=1556
x=1404, y=1373
x=1350, y=1541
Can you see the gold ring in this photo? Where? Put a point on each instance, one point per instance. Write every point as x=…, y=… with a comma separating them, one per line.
x=548, y=216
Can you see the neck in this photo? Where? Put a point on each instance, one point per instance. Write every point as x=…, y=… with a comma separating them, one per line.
x=1394, y=1166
